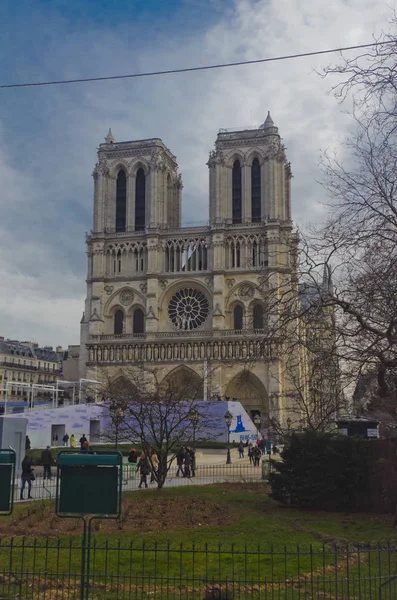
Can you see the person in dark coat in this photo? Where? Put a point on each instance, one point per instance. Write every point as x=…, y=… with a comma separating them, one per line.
x=193, y=457
x=257, y=455
x=180, y=458
x=27, y=476
x=27, y=443
x=144, y=469
x=133, y=456
x=187, y=463
x=241, y=450
x=47, y=460
x=82, y=441
x=251, y=454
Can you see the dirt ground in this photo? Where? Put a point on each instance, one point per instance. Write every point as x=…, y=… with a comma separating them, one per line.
x=140, y=512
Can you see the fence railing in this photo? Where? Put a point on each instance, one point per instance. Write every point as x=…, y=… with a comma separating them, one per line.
x=204, y=475
x=50, y=569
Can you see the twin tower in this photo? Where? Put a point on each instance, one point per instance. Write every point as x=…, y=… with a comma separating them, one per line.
x=188, y=300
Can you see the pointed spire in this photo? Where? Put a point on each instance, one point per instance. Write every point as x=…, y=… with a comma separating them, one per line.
x=269, y=126
x=109, y=139
x=269, y=121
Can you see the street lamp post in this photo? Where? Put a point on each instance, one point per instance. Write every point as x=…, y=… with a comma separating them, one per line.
x=117, y=415
x=257, y=421
x=228, y=421
x=194, y=417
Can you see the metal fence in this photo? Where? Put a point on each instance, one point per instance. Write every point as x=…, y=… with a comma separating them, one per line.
x=205, y=474
x=51, y=570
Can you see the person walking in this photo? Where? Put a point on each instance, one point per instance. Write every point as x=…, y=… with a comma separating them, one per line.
x=251, y=454
x=72, y=441
x=47, y=460
x=187, y=463
x=27, y=476
x=154, y=459
x=257, y=456
x=65, y=440
x=144, y=470
x=193, y=457
x=180, y=458
x=241, y=450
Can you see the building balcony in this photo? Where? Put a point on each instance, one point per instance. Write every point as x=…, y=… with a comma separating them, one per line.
x=16, y=367
x=165, y=335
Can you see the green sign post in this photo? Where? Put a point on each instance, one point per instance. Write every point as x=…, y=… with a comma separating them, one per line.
x=89, y=487
x=7, y=481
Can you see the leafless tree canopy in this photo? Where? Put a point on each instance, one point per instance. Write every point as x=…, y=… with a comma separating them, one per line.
x=156, y=415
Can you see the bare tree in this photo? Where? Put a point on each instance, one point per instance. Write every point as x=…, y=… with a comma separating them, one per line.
x=161, y=417
x=358, y=241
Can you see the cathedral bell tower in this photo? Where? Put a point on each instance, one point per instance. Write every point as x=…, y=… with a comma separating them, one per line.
x=136, y=187
x=249, y=176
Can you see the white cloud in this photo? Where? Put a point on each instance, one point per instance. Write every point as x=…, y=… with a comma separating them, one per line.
x=48, y=144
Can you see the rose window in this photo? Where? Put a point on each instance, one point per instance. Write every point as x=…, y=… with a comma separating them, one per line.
x=188, y=309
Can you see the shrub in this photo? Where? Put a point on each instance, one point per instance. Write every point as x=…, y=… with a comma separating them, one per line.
x=323, y=471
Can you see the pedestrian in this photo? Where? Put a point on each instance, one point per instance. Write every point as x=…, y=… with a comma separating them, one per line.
x=72, y=441
x=27, y=443
x=251, y=454
x=47, y=460
x=193, y=456
x=187, y=463
x=144, y=469
x=65, y=439
x=154, y=460
x=27, y=476
x=262, y=446
x=257, y=456
x=82, y=441
x=133, y=456
x=180, y=458
x=86, y=447
x=241, y=450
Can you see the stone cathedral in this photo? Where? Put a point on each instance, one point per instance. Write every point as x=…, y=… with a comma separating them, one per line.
x=189, y=299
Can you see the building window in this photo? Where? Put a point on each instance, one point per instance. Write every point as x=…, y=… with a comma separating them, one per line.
x=236, y=192
x=138, y=322
x=118, y=322
x=238, y=317
x=258, y=316
x=235, y=254
x=256, y=191
x=140, y=200
x=121, y=201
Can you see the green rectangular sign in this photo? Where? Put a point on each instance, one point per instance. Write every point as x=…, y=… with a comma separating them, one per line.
x=89, y=484
x=7, y=477
x=5, y=487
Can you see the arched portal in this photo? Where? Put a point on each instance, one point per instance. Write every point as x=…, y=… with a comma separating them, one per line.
x=248, y=389
x=182, y=383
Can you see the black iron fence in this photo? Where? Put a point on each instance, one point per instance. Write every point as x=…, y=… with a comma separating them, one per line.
x=204, y=474
x=50, y=569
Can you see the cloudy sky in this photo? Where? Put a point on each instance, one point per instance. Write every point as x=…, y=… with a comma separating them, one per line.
x=49, y=135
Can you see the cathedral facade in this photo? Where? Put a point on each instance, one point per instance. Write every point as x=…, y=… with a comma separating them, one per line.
x=190, y=299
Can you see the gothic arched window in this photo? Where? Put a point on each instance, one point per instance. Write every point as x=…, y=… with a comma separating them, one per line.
x=236, y=192
x=138, y=321
x=121, y=201
x=118, y=322
x=140, y=200
x=256, y=191
x=257, y=316
x=238, y=317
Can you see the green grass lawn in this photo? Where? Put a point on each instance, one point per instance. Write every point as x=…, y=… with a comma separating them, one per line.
x=248, y=538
